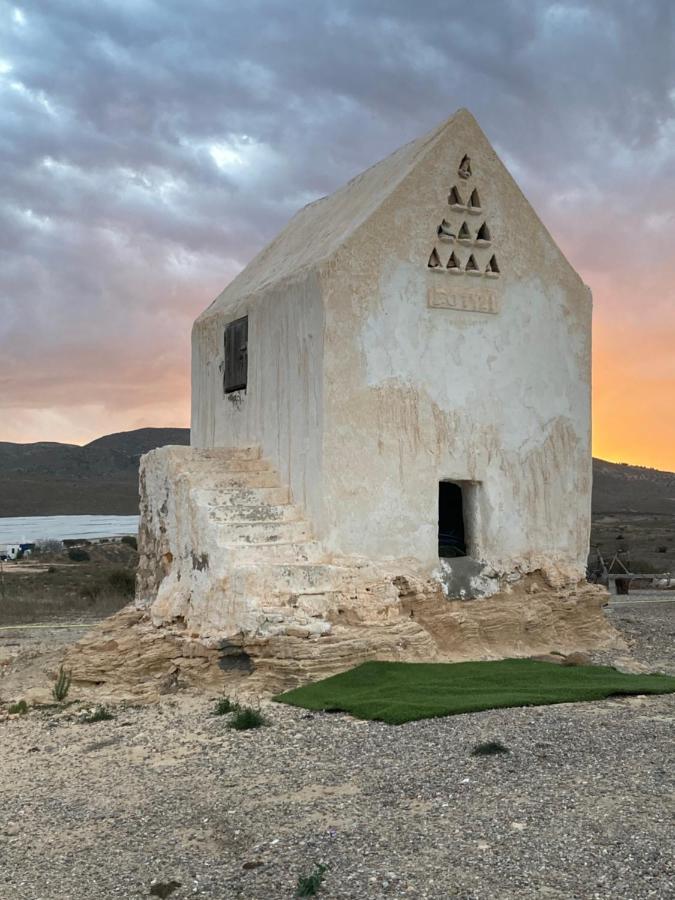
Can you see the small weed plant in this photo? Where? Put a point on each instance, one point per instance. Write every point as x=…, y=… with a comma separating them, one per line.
x=98, y=714
x=20, y=708
x=61, y=685
x=225, y=706
x=489, y=748
x=310, y=885
x=245, y=718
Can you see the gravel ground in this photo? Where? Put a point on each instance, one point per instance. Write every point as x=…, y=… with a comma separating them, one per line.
x=581, y=807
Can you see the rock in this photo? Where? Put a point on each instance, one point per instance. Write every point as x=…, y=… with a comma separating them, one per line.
x=163, y=889
x=382, y=617
x=577, y=659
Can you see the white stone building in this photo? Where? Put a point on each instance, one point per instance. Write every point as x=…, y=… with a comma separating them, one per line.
x=396, y=391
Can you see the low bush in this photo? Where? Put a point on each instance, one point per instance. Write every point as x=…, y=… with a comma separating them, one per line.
x=77, y=554
x=225, y=706
x=123, y=581
x=130, y=540
x=245, y=718
x=48, y=546
x=99, y=714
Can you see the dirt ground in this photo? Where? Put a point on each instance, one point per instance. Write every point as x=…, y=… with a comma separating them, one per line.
x=49, y=586
x=581, y=807
x=643, y=542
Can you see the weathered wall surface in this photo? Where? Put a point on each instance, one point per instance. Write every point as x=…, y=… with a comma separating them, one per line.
x=372, y=376
x=415, y=394
x=182, y=570
x=281, y=410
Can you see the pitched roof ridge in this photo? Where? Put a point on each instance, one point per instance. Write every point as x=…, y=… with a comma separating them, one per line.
x=316, y=231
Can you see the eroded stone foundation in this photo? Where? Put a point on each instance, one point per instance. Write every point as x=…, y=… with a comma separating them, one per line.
x=130, y=656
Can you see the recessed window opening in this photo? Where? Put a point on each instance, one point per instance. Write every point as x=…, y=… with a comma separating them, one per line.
x=434, y=261
x=452, y=541
x=235, y=373
x=464, y=170
x=474, y=200
x=492, y=267
x=471, y=264
x=453, y=262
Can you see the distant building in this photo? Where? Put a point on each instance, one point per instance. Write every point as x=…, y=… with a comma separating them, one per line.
x=15, y=551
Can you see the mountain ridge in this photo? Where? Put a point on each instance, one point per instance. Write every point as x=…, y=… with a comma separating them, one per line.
x=101, y=477
x=98, y=478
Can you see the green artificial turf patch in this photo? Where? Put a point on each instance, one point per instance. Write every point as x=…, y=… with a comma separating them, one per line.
x=402, y=692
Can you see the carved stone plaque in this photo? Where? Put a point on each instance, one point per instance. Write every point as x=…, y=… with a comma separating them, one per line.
x=442, y=294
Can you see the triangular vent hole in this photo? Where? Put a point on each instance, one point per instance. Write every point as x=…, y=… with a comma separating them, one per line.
x=453, y=262
x=474, y=200
x=445, y=230
x=464, y=170
x=471, y=265
x=434, y=261
x=484, y=233
x=454, y=198
x=492, y=267
x=464, y=233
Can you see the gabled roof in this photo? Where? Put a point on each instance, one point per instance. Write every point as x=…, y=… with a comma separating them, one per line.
x=321, y=227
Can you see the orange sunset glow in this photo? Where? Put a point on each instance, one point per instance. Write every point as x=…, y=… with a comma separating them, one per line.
x=139, y=178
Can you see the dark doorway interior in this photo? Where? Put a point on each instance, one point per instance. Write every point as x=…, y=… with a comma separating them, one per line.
x=451, y=539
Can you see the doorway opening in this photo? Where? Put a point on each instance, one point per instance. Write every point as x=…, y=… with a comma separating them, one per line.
x=451, y=531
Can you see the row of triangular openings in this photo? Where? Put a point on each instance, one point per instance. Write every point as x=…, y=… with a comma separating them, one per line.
x=445, y=231
x=492, y=267
x=455, y=199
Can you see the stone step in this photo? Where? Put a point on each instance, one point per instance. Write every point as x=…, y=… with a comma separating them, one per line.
x=261, y=532
x=227, y=481
x=237, y=513
x=212, y=466
x=241, y=496
x=273, y=552
x=219, y=453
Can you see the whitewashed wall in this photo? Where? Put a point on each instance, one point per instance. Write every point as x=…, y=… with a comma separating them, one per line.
x=281, y=410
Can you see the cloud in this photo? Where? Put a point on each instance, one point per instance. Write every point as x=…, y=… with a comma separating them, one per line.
x=149, y=149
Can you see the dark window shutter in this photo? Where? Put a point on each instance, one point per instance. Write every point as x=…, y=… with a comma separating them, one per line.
x=236, y=355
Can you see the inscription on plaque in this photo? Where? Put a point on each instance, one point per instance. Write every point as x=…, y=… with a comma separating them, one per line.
x=443, y=296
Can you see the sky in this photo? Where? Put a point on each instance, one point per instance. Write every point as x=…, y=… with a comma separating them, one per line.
x=148, y=150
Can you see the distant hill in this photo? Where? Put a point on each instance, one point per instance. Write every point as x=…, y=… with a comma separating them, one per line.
x=50, y=479
x=102, y=478
x=620, y=488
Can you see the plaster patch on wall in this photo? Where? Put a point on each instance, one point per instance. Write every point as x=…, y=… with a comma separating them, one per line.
x=465, y=578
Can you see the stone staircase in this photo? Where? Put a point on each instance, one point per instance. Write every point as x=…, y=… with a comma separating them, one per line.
x=256, y=545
